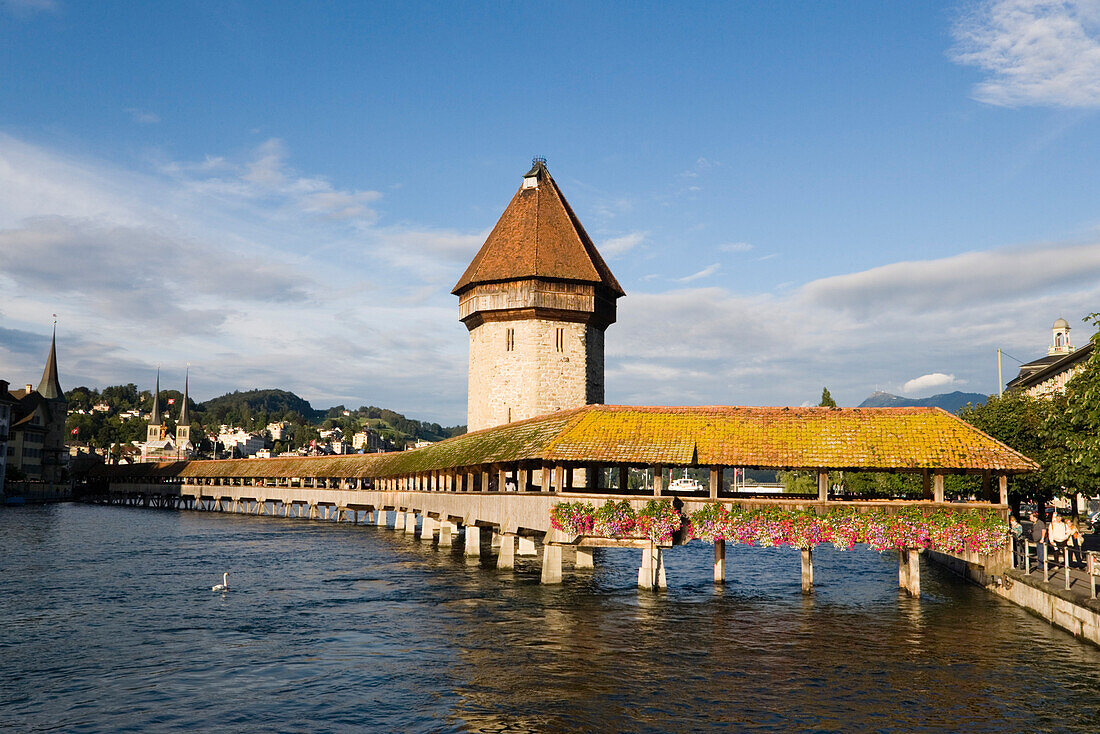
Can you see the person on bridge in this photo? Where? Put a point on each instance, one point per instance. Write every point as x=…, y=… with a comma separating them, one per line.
x=1039, y=535
x=1075, y=542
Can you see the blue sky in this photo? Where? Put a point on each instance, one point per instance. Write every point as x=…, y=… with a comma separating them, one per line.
x=858, y=195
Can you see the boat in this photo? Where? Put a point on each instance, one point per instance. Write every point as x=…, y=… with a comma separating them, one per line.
x=685, y=485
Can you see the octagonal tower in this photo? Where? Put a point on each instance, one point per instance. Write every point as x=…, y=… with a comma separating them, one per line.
x=536, y=300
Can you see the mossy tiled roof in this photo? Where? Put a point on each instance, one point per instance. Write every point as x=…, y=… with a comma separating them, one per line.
x=883, y=439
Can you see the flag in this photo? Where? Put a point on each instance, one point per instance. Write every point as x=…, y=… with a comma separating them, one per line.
x=171, y=401
x=75, y=431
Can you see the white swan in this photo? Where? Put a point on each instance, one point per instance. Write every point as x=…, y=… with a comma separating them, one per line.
x=224, y=585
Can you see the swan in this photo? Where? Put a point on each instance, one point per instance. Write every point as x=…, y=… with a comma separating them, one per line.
x=224, y=585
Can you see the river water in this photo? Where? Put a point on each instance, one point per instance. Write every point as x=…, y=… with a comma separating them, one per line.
x=108, y=623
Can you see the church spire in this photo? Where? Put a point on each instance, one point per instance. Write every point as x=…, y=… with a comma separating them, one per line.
x=50, y=387
x=155, y=420
x=184, y=419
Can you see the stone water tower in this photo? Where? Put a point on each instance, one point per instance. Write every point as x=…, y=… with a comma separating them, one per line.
x=536, y=300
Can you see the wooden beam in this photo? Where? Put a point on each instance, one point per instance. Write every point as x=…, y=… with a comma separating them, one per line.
x=823, y=486
x=715, y=481
x=1002, y=489
x=658, y=480
x=937, y=487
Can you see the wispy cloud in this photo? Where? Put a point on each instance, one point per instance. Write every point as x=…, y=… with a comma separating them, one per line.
x=26, y=8
x=616, y=246
x=704, y=273
x=1037, y=52
x=735, y=247
x=143, y=117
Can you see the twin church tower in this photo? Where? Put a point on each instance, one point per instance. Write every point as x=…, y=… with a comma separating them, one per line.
x=536, y=300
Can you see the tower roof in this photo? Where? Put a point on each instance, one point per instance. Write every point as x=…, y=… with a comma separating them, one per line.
x=184, y=419
x=50, y=386
x=155, y=419
x=538, y=236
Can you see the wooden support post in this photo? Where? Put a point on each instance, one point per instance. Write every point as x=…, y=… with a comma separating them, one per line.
x=937, y=487
x=715, y=482
x=507, y=556
x=446, y=532
x=380, y=517
x=410, y=522
x=559, y=478
x=484, y=481
x=473, y=540
x=658, y=480
x=624, y=479
x=719, y=561
x=584, y=558
x=913, y=586
x=398, y=519
x=1065, y=564
x=544, y=478
x=651, y=574
x=551, y=564
x=807, y=570
x=903, y=569
x=522, y=474
x=1002, y=489
x=427, y=528
x=823, y=486
x=502, y=479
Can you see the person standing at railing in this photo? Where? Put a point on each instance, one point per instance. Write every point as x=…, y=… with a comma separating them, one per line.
x=1074, y=542
x=1058, y=533
x=1039, y=535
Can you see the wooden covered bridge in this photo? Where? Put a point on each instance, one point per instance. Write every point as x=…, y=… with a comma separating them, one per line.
x=507, y=478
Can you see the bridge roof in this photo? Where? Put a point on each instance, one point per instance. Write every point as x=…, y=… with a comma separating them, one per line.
x=871, y=439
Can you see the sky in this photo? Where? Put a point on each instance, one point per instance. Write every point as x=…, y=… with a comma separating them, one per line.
x=859, y=195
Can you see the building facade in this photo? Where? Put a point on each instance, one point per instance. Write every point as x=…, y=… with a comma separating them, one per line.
x=35, y=446
x=536, y=300
x=1048, y=375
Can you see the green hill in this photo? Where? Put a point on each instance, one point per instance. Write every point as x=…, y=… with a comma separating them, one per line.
x=276, y=404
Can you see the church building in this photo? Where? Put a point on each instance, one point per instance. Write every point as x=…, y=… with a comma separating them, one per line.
x=536, y=300
x=1048, y=375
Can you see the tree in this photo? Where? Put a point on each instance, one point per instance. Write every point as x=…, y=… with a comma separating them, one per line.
x=826, y=399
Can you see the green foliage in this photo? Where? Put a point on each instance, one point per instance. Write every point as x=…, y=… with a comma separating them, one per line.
x=826, y=399
x=1018, y=420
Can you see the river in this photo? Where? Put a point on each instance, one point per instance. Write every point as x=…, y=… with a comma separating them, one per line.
x=108, y=623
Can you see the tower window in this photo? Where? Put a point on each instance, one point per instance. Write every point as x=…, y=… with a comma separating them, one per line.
x=559, y=340
x=510, y=340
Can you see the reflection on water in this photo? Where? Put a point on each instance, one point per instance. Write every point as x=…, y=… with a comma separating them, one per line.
x=109, y=623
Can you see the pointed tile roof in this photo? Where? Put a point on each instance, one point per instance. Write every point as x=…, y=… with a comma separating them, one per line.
x=50, y=386
x=538, y=236
x=184, y=419
x=155, y=419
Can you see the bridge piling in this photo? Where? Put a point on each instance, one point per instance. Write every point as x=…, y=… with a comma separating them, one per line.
x=551, y=564
x=507, y=557
x=473, y=540
x=807, y=571
x=584, y=558
x=719, y=561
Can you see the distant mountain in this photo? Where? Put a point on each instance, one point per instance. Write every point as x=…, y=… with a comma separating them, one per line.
x=952, y=402
x=273, y=402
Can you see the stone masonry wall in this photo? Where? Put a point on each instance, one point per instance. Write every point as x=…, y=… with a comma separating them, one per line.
x=533, y=378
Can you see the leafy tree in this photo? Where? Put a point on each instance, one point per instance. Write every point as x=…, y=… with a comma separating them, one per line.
x=826, y=399
x=1073, y=426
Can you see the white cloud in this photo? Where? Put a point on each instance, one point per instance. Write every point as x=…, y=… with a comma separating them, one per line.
x=850, y=333
x=1037, y=52
x=927, y=383
x=735, y=247
x=142, y=117
x=704, y=273
x=24, y=8
x=616, y=246
x=257, y=274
